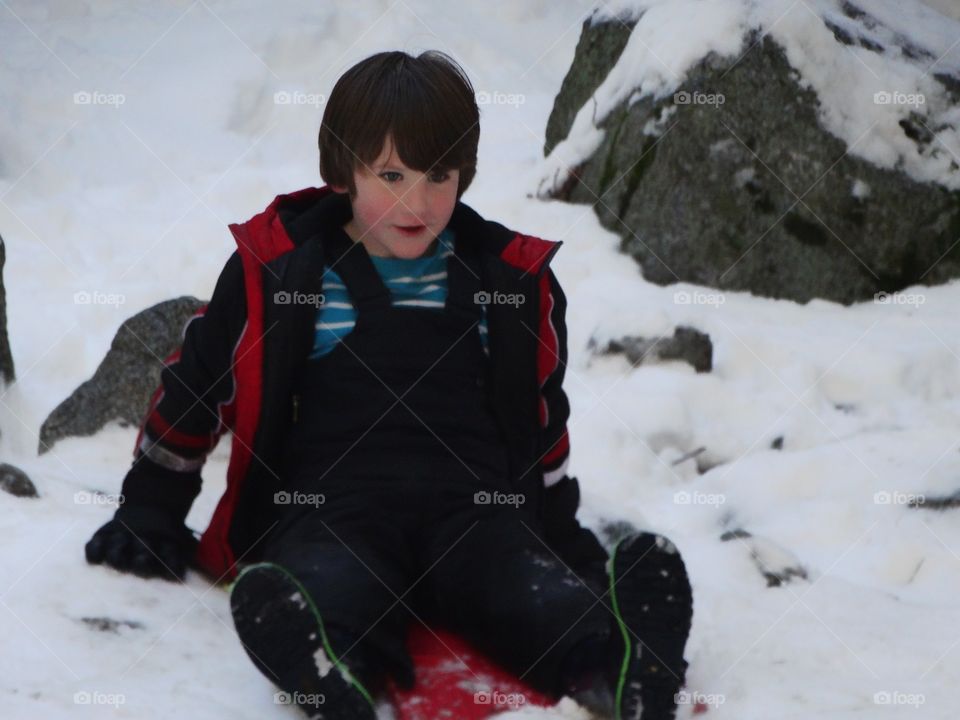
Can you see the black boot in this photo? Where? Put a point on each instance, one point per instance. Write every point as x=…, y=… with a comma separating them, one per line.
x=284, y=635
x=653, y=608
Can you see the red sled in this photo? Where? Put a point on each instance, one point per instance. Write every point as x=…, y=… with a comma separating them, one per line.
x=453, y=680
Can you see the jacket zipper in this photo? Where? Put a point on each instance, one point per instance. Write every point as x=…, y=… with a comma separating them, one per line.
x=296, y=407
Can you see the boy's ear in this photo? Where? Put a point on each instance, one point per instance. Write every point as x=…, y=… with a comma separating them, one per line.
x=340, y=189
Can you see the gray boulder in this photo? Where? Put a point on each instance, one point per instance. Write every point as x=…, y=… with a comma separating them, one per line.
x=122, y=385
x=707, y=193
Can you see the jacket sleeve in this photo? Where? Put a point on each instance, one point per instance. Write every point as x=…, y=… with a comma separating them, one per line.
x=551, y=368
x=193, y=406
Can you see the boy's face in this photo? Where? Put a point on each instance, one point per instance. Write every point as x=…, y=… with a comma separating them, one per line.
x=398, y=212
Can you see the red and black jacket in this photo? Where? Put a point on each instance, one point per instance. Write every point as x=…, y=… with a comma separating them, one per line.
x=241, y=353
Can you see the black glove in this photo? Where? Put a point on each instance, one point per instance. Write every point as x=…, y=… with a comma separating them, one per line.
x=577, y=546
x=147, y=536
x=145, y=542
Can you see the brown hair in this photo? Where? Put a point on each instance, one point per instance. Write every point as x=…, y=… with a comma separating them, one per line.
x=426, y=104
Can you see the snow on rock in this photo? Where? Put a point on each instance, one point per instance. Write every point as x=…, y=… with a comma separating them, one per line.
x=887, y=75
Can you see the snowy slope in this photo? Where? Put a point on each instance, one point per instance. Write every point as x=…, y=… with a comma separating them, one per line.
x=131, y=201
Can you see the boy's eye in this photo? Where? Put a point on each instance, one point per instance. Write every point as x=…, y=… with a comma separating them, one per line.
x=437, y=177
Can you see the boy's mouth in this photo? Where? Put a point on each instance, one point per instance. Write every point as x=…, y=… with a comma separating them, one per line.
x=411, y=229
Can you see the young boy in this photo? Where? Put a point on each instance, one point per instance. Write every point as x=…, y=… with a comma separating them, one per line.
x=391, y=365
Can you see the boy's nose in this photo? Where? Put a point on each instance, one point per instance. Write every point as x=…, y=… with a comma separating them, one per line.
x=415, y=202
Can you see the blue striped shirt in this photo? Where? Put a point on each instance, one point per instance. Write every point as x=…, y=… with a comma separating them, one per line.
x=419, y=283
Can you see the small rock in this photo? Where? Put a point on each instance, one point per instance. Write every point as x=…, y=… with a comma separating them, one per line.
x=943, y=502
x=105, y=624
x=687, y=344
x=15, y=481
x=777, y=564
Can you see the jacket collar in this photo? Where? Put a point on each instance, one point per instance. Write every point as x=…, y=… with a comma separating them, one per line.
x=294, y=217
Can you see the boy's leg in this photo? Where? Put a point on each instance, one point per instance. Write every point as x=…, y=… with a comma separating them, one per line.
x=327, y=590
x=284, y=634
x=355, y=577
x=496, y=583
x=493, y=580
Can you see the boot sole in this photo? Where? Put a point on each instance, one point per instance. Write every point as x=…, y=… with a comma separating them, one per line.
x=648, y=569
x=282, y=632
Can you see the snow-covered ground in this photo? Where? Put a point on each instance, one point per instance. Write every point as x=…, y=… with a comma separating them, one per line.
x=124, y=192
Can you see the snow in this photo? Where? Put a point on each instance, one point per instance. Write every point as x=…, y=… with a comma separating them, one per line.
x=128, y=202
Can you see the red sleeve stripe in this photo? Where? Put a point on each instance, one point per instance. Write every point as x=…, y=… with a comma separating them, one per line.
x=167, y=434
x=548, y=354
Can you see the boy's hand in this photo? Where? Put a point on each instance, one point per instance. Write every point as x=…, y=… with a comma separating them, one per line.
x=143, y=541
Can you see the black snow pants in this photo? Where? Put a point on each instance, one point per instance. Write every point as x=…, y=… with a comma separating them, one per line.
x=399, y=505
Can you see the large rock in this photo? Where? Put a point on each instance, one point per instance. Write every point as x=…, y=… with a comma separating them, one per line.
x=754, y=194
x=121, y=387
